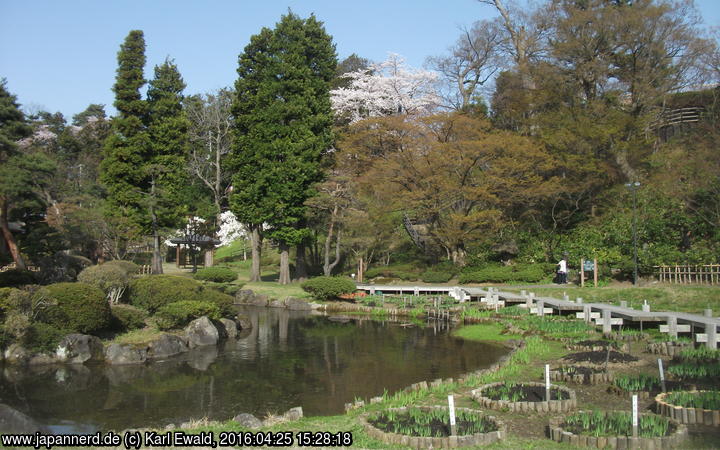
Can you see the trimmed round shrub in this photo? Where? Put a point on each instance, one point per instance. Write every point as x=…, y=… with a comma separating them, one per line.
x=127, y=317
x=225, y=303
x=128, y=266
x=43, y=337
x=325, y=288
x=217, y=274
x=80, y=307
x=436, y=277
x=155, y=291
x=179, y=314
x=109, y=278
x=16, y=277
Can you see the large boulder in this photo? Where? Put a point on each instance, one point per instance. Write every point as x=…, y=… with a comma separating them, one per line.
x=230, y=328
x=248, y=297
x=243, y=322
x=16, y=354
x=79, y=348
x=297, y=304
x=248, y=421
x=40, y=359
x=13, y=421
x=275, y=303
x=202, y=332
x=165, y=346
x=118, y=354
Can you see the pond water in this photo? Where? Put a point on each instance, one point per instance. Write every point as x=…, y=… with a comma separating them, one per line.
x=289, y=358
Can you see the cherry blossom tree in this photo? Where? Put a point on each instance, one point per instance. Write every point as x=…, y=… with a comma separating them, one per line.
x=387, y=88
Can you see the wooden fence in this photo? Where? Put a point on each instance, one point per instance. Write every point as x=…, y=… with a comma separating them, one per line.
x=688, y=274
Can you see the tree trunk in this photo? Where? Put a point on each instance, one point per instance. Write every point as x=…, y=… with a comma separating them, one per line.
x=458, y=255
x=284, y=264
x=328, y=266
x=256, y=249
x=156, y=257
x=300, y=263
x=8, y=237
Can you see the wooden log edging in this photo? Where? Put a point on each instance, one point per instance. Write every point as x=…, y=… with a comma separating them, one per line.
x=593, y=378
x=558, y=434
x=469, y=440
x=671, y=348
x=541, y=406
x=623, y=347
x=685, y=414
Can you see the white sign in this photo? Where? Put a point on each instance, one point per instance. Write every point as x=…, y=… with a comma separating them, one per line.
x=451, y=405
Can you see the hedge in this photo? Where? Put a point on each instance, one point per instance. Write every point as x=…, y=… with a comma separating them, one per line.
x=326, y=288
x=155, y=291
x=179, y=314
x=217, y=274
x=80, y=307
x=503, y=274
x=436, y=277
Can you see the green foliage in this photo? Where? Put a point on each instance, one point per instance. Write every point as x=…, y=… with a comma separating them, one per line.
x=43, y=337
x=79, y=307
x=179, y=314
x=700, y=354
x=431, y=422
x=327, y=288
x=152, y=292
x=128, y=266
x=217, y=274
x=111, y=279
x=695, y=370
x=615, y=423
x=636, y=383
x=532, y=273
x=224, y=302
x=436, y=277
x=701, y=399
x=127, y=317
x=16, y=277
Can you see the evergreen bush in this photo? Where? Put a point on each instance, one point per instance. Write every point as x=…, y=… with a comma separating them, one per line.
x=155, y=291
x=216, y=274
x=179, y=314
x=326, y=288
x=112, y=279
x=43, y=337
x=78, y=307
x=128, y=266
x=127, y=317
x=224, y=302
x=16, y=277
x=436, y=277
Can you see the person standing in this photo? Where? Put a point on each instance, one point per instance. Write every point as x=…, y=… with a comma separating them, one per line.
x=562, y=271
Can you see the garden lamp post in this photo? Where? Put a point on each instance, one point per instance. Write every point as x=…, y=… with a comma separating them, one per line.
x=634, y=187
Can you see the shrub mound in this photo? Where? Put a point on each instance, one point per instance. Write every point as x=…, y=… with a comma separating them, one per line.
x=224, y=302
x=325, y=288
x=109, y=278
x=216, y=274
x=43, y=337
x=79, y=307
x=155, y=291
x=179, y=314
x=127, y=317
x=531, y=273
x=16, y=277
x=436, y=277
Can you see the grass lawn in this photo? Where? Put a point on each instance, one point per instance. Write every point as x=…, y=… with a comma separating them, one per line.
x=693, y=299
x=484, y=332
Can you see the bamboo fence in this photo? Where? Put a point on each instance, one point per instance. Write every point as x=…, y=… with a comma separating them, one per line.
x=689, y=274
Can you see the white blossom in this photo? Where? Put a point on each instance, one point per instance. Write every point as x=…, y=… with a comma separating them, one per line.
x=387, y=88
x=230, y=228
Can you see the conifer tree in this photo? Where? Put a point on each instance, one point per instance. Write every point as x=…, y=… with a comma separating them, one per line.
x=283, y=126
x=165, y=165
x=122, y=168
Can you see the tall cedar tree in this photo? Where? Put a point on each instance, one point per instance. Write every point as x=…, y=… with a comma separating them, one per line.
x=122, y=169
x=283, y=126
x=13, y=127
x=166, y=175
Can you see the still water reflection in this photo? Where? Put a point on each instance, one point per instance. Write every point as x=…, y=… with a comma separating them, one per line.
x=289, y=358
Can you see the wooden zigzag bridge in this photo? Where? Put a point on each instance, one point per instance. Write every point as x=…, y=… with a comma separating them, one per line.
x=702, y=328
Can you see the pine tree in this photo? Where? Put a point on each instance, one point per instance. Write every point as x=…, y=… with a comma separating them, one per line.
x=122, y=169
x=13, y=127
x=166, y=162
x=283, y=126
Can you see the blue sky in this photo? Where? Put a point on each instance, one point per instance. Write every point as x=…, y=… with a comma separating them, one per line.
x=62, y=55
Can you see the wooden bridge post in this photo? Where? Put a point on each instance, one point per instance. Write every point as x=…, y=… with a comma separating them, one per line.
x=579, y=300
x=672, y=326
x=646, y=306
x=707, y=312
x=607, y=321
x=711, y=331
x=586, y=313
x=540, y=308
x=623, y=303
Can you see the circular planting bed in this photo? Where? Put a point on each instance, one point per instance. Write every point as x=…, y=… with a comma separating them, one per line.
x=598, y=345
x=672, y=348
x=429, y=427
x=613, y=429
x=692, y=407
x=600, y=358
x=523, y=397
x=581, y=375
x=642, y=385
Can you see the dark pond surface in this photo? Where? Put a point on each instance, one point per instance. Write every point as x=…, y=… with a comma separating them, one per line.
x=289, y=358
